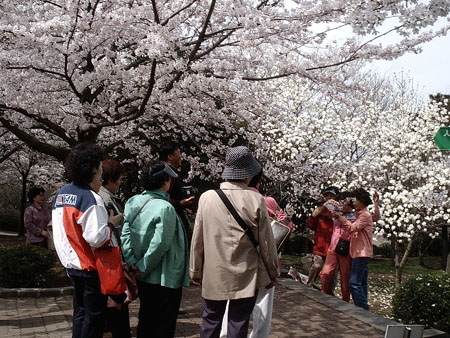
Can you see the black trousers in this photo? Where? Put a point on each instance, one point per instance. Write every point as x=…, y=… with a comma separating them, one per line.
x=239, y=312
x=158, y=310
x=118, y=322
x=89, y=307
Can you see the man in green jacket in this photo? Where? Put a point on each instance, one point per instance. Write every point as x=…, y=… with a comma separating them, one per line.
x=154, y=245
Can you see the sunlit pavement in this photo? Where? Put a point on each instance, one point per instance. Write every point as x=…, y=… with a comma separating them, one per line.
x=294, y=315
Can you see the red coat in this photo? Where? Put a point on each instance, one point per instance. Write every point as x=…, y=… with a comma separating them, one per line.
x=323, y=228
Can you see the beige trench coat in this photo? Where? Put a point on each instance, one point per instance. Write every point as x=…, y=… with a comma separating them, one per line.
x=222, y=255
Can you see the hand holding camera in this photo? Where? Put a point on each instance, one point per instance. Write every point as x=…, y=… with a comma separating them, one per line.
x=189, y=193
x=333, y=206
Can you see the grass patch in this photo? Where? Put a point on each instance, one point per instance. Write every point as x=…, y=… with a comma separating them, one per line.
x=381, y=279
x=412, y=267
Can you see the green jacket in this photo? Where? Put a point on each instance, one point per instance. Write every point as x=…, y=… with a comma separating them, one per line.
x=156, y=241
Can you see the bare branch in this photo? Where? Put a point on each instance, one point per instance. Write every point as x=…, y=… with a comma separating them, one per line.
x=59, y=153
x=72, y=32
x=9, y=153
x=94, y=9
x=269, y=77
x=136, y=63
x=354, y=55
x=209, y=35
x=68, y=78
x=214, y=46
x=50, y=126
x=201, y=36
x=155, y=12
x=193, y=53
x=265, y=3
x=151, y=84
x=178, y=12
x=52, y=3
x=349, y=59
x=40, y=70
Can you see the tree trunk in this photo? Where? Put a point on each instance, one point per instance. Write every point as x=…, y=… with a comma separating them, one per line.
x=448, y=264
x=23, y=202
x=421, y=252
x=398, y=265
x=445, y=250
x=393, y=245
x=400, y=261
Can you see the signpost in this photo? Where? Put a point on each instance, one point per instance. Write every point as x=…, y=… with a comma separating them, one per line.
x=442, y=138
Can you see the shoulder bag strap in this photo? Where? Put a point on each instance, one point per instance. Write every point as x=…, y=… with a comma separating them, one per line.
x=151, y=198
x=238, y=218
x=243, y=225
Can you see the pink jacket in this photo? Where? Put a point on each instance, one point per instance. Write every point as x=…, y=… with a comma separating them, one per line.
x=274, y=209
x=361, y=229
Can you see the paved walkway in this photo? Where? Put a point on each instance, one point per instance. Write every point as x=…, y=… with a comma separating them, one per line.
x=295, y=315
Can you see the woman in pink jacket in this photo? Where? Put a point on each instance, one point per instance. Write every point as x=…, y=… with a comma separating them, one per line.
x=335, y=261
x=361, y=249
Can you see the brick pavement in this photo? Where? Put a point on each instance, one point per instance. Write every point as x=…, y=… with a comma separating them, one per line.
x=294, y=315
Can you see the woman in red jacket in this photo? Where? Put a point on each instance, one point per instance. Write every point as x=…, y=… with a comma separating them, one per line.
x=321, y=221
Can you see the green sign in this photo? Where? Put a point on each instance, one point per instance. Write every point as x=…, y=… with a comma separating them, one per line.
x=442, y=138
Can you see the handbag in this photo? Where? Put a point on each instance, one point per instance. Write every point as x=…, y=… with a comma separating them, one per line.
x=109, y=267
x=110, y=272
x=342, y=246
x=280, y=232
x=243, y=225
x=131, y=283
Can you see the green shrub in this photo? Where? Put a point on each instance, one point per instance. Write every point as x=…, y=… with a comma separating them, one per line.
x=425, y=300
x=24, y=265
x=383, y=250
x=9, y=222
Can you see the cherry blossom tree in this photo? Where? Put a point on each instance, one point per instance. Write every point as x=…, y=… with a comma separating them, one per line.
x=274, y=75
x=130, y=73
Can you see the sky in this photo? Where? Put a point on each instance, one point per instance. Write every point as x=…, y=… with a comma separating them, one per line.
x=430, y=69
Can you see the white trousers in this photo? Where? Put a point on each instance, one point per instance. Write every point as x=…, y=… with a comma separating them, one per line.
x=262, y=315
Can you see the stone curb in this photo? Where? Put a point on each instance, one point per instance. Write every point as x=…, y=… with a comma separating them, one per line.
x=351, y=310
x=35, y=292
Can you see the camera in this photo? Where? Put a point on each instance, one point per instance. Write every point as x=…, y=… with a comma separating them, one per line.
x=189, y=191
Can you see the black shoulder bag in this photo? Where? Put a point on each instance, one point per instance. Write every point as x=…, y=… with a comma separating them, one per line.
x=343, y=245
